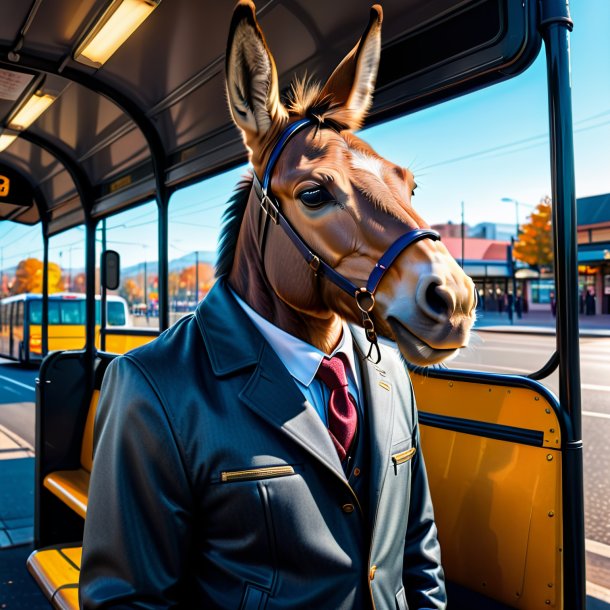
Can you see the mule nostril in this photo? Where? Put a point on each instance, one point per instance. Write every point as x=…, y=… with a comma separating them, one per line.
x=435, y=300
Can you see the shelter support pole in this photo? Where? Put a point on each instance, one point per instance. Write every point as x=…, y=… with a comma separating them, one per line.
x=90, y=284
x=555, y=25
x=163, y=275
x=45, y=287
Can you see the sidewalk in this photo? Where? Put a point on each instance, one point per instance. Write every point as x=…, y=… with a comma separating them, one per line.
x=540, y=322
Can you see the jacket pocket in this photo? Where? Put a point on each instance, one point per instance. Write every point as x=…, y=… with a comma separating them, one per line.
x=401, y=600
x=403, y=456
x=256, y=474
x=254, y=598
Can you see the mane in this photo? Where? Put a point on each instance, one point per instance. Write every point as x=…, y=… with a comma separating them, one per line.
x=306, y=98
x=231, y=224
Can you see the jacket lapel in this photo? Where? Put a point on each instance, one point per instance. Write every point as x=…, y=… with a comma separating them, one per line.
x=378, y=393
x=272, y=393
x=269, y=391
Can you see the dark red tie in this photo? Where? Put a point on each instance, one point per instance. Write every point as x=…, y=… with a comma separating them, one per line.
x=342, y=412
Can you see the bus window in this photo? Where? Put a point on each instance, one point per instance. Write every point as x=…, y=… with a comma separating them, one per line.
x=115, y=314
x=72, y=312
x=54, y=312
x=35, y=312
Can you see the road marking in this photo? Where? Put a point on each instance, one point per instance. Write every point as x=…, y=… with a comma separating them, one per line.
x=22, y=385
x=595, y=388
x=596, y=414
x=599, y=548
x=598, y=592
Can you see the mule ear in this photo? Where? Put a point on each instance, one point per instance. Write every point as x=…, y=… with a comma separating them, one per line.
x=352, y=83
x=251, y=76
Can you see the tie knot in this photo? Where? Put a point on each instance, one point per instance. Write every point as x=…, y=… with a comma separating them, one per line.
x=332, y=373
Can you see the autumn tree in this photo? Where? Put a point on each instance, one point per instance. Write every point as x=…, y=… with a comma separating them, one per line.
x=28, y=277
x=534, y=245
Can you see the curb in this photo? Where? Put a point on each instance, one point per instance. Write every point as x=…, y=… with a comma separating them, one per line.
x=540, y=330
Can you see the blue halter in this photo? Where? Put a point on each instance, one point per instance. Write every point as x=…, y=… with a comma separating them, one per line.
x=365, y=296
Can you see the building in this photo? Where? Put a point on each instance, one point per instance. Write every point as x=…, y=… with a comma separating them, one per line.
x=492, y=230
x=593, y=215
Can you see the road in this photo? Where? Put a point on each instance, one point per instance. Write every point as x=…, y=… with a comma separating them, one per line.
x=495, y=352
x=17, y=396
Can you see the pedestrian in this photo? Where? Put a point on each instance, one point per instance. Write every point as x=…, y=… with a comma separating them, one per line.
x=590, y=303
x=519, y=304
x=509, y=306
x=553, y=304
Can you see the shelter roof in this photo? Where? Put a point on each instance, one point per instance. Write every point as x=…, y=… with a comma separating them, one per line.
x=477, y=249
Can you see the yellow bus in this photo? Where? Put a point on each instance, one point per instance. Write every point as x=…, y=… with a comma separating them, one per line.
x=21, y=323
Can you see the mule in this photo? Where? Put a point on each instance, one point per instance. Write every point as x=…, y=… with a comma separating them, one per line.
x=324, y=229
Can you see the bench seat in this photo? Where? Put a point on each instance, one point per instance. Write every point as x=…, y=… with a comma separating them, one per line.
x=71, y=487
x=57, y=570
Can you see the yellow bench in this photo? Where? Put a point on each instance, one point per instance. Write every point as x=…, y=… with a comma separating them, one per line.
x=57, y=570
x=72, y=486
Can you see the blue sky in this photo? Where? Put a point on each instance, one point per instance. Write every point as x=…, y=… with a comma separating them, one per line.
x=478, y=149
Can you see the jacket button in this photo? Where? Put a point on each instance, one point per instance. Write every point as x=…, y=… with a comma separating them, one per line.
x=372, y=572
x=348, y=508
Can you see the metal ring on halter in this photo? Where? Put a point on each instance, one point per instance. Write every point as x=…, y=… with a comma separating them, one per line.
x=365, y=300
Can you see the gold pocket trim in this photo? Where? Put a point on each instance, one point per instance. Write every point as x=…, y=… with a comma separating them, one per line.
x=256, y=473
x=404, y=456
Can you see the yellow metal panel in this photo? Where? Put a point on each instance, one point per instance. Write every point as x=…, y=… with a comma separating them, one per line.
x=86, y=452
x=120, y=344
x=519, y=407
x=497, y=503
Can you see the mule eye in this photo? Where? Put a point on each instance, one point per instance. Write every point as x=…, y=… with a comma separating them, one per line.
x=315, y=197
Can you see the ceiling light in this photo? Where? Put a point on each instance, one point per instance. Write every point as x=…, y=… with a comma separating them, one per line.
x=30, y=111
x=6, y=139
x=114, y=27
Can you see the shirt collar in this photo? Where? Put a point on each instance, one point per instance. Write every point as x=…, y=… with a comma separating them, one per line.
x=300, y=358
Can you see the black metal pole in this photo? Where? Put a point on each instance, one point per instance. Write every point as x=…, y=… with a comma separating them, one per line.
x=163, y=275
x=103, y=290
x=90, y=285
x=45, y=287
x=555, y=26
x=463, y=234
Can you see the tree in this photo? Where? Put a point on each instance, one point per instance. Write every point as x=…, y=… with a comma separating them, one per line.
x=535, y=245
x=28, y=277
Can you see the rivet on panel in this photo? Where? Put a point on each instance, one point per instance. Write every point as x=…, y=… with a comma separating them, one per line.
x=536, y=397
x=551, y=513
x=517, y=594
x=550, y=585
x=489, y=389
x=552, y=430
x=547, y=602
x=547, y=411
x=549, y=457
x=451, y=384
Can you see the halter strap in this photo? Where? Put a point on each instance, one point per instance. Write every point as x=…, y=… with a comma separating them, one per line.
x=365, y=296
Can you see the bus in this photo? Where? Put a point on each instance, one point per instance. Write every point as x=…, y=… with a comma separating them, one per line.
x=504, y=452
x=21, y=323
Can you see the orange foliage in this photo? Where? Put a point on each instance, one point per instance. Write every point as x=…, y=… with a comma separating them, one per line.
x=535, y=245
x=187, y=278
x=28, y=277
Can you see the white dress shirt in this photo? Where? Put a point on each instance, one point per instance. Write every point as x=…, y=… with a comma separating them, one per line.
x=303, y=360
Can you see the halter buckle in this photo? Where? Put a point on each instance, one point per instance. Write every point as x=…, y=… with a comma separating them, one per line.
x=365, y=300
x=314, y=263
x=270, y=208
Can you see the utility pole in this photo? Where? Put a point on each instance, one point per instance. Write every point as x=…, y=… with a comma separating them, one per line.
x=196, y=277
x=463, y=231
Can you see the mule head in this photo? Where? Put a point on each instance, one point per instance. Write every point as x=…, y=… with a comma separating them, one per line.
x=346, y=202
